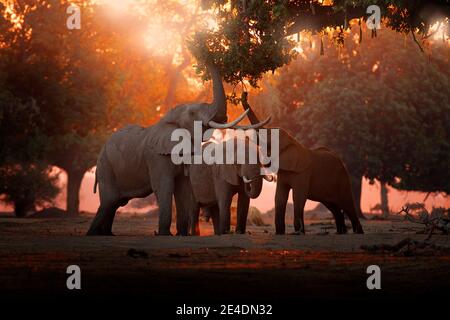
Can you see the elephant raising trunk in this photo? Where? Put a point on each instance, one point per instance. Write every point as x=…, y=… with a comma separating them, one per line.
x=136, y=162
x=219, y=104
x=218, y=108
x=318, y=175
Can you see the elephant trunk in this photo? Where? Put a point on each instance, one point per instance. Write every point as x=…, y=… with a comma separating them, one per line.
x=253, y=188
x=219, y=104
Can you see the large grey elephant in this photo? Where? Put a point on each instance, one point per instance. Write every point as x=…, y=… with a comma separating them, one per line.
x=214, y=186
x=136, y=161
x=319, y=175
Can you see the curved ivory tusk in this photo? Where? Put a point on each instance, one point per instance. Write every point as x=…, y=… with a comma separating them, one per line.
x=254, y=126
x=268, y=178
x=216, y=125
x=246, y=180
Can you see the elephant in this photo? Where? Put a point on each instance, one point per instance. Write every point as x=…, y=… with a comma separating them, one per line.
x=318, y=175
x=214, y=186
x=136, y=162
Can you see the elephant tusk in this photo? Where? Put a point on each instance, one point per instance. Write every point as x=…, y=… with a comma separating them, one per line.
x=216, y=125
x=254, y=126
x=246, y=180
x=268, y=178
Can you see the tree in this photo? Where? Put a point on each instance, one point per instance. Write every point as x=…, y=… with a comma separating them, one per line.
x=384, y=200
x=65, y=76
x=382, y=105
x=24, y=182
x=77, y=80
x=176, y=21
x=252, y=36
x=87, y=83
x=26, y=185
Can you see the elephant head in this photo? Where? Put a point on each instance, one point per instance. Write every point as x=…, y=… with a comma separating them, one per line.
x=253, y=180
x=250, y=173
x=293, y=156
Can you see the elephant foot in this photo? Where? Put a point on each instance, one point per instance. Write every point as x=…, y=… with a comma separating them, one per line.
x=163, y=233
x=358, y=229
x=297, y=233
x=99, y=232
x=106, y=234
x=240, y=232
x=341, y=230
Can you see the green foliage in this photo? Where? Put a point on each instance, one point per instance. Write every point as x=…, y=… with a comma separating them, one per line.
x=250, y=40
x=382, y=105
x=54, y=88
x=63, y=75
x=251, y=35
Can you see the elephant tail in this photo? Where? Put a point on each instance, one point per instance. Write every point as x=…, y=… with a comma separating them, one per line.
x=96, y=182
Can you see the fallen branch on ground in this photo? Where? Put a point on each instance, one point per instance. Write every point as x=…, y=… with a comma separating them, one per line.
x=408, y=248
x=437, y=222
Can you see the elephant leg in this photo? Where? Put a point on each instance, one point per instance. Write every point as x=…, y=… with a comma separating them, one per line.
x=103, y=221
x=194, y=221
x=224, y=204
x=185, y=204
x=109, y=203
x=164, y=192
x=350, y=210
x=299, y=197
x=214, y=213
x=338, y=217
x=281, y=198
x=242, y=212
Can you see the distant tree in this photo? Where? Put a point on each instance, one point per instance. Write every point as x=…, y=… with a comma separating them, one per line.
x=384, y=200
x=27, y=185
x=82, y=82
x=382, y=105
x=252, y=38
x=24, y=181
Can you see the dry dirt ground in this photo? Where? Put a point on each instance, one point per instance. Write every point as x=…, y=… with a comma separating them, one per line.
x=35, y=252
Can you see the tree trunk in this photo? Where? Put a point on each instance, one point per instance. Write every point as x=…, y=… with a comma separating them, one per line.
x=174, y=77
x=23, y=207
x=356, y=180
x=384, y=200
x=74, y=178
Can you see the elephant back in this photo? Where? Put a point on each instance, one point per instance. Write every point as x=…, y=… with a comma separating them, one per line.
x=293, y=155
x=158, y=138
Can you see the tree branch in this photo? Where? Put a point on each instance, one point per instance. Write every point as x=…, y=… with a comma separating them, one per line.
x=324, y=16
x=417, y=42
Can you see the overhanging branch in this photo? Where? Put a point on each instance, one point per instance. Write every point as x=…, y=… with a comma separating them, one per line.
x=325, y=16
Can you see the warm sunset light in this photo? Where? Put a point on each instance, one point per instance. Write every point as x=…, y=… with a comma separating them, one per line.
x=241, y=158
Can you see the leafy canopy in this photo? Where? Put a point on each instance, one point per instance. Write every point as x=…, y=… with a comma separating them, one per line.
x=251, y=36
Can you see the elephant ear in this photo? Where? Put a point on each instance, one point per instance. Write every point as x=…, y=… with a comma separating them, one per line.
x=159, y=137
x=293, y=155
x=227, y=172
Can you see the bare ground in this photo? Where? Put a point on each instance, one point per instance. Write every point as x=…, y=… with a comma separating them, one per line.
x=35, y=252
